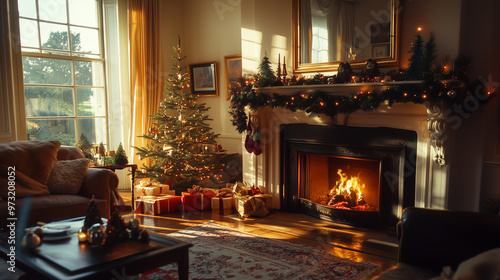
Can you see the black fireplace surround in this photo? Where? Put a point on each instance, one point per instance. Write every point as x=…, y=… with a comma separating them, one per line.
x=396, y=149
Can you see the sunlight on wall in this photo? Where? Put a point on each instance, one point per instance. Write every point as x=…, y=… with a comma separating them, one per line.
x=251, y=45
x=279, y=48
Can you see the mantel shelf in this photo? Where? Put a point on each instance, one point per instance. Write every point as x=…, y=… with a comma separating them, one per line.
x=335, y=89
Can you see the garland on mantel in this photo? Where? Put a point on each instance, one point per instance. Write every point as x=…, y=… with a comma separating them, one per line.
x=435, y=89
x=449, y=93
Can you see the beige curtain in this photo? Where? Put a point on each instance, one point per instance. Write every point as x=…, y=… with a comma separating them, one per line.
x=146, y=81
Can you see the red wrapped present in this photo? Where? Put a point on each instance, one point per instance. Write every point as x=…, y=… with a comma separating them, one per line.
x=154, y=205
x=197, y=201
x=222, y=205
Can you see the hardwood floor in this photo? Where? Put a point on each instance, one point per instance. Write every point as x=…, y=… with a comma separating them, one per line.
x=357, y=244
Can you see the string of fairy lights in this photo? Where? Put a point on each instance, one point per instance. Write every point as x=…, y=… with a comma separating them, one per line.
x=447, y=93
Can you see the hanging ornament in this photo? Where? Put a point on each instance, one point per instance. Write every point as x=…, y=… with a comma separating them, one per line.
x=452, y=93
x=249, y=139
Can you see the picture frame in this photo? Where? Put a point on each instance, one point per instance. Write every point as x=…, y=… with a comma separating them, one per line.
x=203, y=78
x=380, y=32
x=233, y=71
x=380, y=50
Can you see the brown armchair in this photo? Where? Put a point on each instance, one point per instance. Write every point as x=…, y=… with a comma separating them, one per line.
x=46, y=207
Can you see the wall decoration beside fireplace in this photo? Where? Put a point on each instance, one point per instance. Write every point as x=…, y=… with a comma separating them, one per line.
x=204, y=79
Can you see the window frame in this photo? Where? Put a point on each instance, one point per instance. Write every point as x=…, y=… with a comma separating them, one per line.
x=73, y=57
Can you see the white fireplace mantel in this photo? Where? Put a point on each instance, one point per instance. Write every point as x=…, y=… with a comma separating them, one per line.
x=431, y=169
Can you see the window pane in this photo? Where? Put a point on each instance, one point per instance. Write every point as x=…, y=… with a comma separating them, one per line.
x=94, y=129
x=47, y=71
x=89, y=73
x=29, y=33
x=27, y=8
x=48, y=101
x=30, y=50
x=54, y=36
x=83, y=12
x=62, y=130
x=85, y=40
x=90, y=102
x=53, y=10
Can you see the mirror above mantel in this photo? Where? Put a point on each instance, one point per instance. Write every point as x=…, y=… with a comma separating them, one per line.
x=328, y=32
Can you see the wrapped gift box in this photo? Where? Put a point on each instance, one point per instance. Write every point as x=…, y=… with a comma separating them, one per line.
x=250, y=206
x=268, y=200
x=154, y=205
x=152, y=190
x=222, y=205
x=196, y=202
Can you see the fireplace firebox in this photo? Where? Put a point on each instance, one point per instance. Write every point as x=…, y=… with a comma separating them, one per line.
x=362, y=176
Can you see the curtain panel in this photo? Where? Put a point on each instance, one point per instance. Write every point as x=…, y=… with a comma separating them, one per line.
x=146, y=69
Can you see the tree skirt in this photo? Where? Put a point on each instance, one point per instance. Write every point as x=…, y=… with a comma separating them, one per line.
x=224, y=253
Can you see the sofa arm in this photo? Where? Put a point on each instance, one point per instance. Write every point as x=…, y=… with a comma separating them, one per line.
x=433, y=238
x=100, y=183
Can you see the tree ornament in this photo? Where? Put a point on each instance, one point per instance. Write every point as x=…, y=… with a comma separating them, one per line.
x=451, y=93
x=96, y=235
x=30, y=240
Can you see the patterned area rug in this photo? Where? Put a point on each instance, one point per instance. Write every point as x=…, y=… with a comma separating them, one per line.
x=223, y=253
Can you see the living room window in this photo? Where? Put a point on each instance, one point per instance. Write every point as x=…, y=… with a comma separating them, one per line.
x=64, y=70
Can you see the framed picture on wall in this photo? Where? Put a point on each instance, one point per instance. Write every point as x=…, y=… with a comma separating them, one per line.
x=233, y=71
x=380, y=50
x=204, y=79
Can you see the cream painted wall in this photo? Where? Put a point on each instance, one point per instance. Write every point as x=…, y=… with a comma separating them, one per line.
x=212, y=31
x=264, y=21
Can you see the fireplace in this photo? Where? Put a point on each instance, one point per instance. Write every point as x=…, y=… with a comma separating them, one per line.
x=357, y=175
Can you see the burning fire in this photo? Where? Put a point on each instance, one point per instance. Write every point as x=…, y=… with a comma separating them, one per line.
x=348, y=193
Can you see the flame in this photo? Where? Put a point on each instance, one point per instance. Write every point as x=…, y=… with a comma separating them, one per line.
x=346, y=186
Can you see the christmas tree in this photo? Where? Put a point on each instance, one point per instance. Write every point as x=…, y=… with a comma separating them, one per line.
x=267, y=77
x=416, y=69
x=102, y=149
x=116, y=229
x=181, y=143
x=85, y=146
x=93, y=215
x=120, y=156
x=430, y=54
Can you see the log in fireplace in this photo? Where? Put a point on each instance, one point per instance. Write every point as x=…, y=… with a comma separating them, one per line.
x=357, y=175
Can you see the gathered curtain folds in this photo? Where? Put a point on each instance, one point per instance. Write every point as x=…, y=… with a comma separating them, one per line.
x=146, y=69
x=340, y=16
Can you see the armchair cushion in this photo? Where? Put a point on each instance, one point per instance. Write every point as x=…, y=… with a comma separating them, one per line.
x=33, y=161
x=67, y=176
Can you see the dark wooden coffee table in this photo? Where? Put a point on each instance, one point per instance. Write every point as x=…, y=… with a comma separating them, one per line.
x=69, y=259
